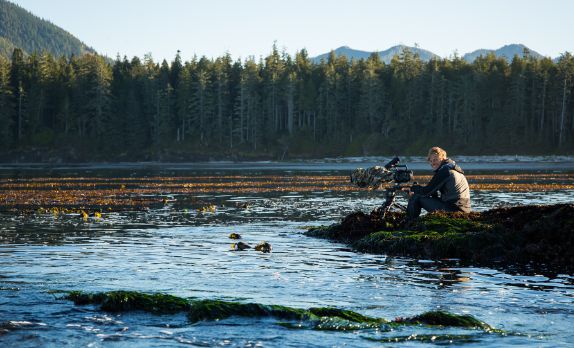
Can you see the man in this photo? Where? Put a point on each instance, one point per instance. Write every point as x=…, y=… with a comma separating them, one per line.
x=448, y=180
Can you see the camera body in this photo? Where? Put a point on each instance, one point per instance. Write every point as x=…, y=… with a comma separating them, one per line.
x=401, y=174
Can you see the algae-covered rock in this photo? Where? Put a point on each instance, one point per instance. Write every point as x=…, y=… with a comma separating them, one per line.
x=121, y=301
x=214, y=309
x=543, y=235
x=357, y=225
x=442, y=318
x=320, y=318
x=240, y=246
x=264, y=247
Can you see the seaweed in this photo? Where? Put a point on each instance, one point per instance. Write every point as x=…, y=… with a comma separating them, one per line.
x=318, y=318
x=442, y=318
x=216, y=309
x=121, y=301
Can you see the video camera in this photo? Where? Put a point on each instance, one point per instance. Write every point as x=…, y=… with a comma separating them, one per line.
x=374, y=177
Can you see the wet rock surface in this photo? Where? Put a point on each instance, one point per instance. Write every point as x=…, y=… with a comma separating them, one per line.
x=538, y=235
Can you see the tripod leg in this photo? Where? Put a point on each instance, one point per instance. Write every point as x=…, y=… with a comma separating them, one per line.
x=387, y=205
x=401, y=206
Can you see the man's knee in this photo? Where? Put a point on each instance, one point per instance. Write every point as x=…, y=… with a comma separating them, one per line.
x=431, y=204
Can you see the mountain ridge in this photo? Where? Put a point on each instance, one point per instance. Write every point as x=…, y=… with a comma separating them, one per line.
x=507, y=52
x=19, y=28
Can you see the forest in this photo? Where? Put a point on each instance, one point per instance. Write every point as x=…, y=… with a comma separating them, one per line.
x=90, y=108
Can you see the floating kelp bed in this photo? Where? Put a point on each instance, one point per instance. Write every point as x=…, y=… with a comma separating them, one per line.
x=321, y=318
x=535, y=235
x=121, y=194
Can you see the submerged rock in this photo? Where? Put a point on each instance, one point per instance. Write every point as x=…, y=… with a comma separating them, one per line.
x=320, y=318
x=540, y=235
x=264, y=247
x=240, y=246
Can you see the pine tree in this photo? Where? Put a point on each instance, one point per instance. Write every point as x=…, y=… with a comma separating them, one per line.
x=566, y=75
x=93, y=81
x=6, y=105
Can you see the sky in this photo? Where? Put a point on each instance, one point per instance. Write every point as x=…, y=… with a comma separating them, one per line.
x=246, y=28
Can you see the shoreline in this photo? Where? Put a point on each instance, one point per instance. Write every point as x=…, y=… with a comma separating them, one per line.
x=469, y=163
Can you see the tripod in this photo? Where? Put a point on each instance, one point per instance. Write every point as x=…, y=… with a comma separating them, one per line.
x=390, y=195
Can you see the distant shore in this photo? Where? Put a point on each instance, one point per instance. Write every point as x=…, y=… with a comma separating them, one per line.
x=469, y=163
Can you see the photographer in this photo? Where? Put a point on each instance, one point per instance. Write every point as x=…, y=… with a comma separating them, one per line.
x=448, y=179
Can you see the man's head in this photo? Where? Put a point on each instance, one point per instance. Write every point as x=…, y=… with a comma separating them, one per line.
x=435, y=156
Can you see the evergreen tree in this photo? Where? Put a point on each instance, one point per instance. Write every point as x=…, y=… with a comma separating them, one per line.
x=282, y=104
x=6, y=105
x=93, y=83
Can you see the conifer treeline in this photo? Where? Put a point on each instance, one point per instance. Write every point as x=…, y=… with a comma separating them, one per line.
x=285, y=106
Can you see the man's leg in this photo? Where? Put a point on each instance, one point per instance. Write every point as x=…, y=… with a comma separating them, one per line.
x=414, y=207
x=431, y=204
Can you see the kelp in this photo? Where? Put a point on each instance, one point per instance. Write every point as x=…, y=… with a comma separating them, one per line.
x=61, y=195
x=542, y=235
x=319, y=318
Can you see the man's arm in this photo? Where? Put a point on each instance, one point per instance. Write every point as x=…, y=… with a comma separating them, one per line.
x=434, y=185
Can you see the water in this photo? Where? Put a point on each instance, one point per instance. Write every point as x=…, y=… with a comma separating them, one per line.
x=178, y=250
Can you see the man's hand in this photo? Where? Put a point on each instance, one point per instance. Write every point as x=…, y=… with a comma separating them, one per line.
x=408, y=191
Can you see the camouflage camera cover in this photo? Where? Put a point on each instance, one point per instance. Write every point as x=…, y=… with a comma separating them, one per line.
x=371, y=177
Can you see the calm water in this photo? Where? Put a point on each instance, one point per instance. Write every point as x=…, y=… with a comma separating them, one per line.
x=179, y=251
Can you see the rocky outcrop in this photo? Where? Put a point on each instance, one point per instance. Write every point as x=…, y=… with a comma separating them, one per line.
x=536, y=235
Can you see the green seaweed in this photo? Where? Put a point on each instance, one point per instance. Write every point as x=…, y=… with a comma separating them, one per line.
x=442, y=318
x=320, y=318
x=215, y=310
x=450, y=224
x=121, y=301
x=344, y=314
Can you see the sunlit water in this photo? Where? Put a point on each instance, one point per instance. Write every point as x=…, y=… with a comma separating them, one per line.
x=180, y=251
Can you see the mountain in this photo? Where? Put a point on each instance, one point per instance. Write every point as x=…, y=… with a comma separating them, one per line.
x=425, y=55
x=386, y=55
x=508, y=52
x=20, y=28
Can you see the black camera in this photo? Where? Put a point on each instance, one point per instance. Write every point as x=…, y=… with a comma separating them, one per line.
x=401, y=174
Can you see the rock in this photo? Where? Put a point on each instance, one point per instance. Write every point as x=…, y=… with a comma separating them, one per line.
x=234, y=236
x=240, y=246
x=263, y=247
x=534, y=234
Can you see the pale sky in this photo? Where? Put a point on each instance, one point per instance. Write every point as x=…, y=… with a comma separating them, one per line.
x=250, y=27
